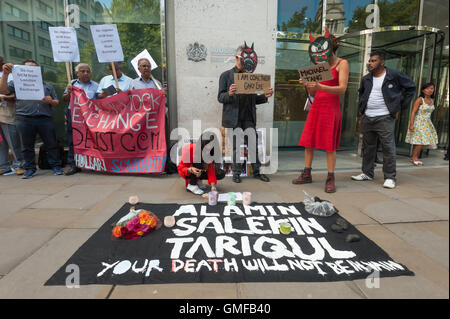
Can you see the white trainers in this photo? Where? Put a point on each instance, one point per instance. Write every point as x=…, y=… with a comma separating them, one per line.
x=362, y=177
x=194, y=189
x=389, y=183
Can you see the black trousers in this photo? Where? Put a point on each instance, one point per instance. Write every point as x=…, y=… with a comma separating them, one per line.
x=220, y=174
x=382, y=128
x=236, y=167
x=28, y=127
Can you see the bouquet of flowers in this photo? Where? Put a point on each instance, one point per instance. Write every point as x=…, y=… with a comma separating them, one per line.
x=136, y=224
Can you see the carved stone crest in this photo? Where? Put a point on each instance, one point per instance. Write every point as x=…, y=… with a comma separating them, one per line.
x=196, y=52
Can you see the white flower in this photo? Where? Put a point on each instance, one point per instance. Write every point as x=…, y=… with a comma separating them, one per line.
x=133, y=200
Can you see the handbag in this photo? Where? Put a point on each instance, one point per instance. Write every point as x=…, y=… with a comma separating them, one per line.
x=308, y=103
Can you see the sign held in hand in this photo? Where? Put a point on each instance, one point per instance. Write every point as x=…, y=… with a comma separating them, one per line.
x=28, y=83
x=251, y=83
x=316, y=73
x=143, y=55
x=107, y=43
x=64, y=44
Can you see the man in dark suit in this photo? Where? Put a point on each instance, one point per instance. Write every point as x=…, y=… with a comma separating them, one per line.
x=239, y=110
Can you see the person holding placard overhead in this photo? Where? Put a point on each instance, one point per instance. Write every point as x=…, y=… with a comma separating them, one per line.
x=323, y=125
x=107, y=85
x=9, y=138
x=90, y=87
x=146, y=80
x=33, y=117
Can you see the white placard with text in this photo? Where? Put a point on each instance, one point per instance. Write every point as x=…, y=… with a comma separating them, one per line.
x=64, y=44
x=107, y=43
x=28, y=83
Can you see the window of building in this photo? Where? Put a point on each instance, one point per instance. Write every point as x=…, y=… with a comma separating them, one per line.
x=45, y=60
x=15, y=12
x=83, y=17
x=18, y=33
x=43, y=7
x=44, y=43
x=44, y=25
x=83, y=30
x=19, y=53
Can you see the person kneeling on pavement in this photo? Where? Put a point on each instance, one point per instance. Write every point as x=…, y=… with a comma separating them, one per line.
x=199, y=165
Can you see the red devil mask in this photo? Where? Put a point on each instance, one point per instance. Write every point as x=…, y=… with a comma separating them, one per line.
x=320, y=49
x=249, y=59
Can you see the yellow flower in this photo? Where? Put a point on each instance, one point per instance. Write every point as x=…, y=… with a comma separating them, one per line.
x=140, y=233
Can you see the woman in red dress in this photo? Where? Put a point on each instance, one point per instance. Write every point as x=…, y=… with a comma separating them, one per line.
x=323, y=125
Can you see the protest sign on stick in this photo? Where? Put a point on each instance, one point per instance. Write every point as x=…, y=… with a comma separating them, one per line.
x=145, y=55
x=64, y=46
x=107, y=44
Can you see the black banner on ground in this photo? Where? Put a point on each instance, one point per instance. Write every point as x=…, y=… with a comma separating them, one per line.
x=226, y=244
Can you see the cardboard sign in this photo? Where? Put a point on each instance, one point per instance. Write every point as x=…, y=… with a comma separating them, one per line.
x=143, y=55
x=28, y=83
x=316, y=73
x=124, y=133
x=64, y=44
x=107, y=43
x=251, y=83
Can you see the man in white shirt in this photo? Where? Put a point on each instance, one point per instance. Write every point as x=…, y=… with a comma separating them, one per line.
x=108, y=81
x=90, y=87
x=383, y=93
x=145, y=81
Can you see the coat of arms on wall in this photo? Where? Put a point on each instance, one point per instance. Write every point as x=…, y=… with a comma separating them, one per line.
x=196, y=52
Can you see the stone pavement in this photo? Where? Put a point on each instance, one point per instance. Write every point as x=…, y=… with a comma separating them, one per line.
x=44, y=220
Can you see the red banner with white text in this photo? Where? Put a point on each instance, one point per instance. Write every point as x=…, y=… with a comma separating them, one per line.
x=124, y=133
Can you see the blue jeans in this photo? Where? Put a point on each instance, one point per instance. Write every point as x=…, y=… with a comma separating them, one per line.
x=28, y=127
x=10, y=140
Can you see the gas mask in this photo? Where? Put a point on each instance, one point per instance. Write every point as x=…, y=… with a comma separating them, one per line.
x=249, y=59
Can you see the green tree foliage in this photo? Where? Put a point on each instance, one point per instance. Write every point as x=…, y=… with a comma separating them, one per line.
x=392, y=13
x=138, y=23
x=299, y=23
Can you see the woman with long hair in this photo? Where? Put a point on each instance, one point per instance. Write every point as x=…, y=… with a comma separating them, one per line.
x=421, y=131
x=323, y=125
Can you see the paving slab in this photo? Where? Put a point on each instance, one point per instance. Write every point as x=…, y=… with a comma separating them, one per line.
x=44, y=189
x=404, y=253
x=396, y=211
x=17, y=244
x=27, y=279
x=42, y=218
x=437, y=210
x=176, y=291
x=300, y=290
x=11, y=203
x=421, y=237
x=416, y=287
x=77, y=197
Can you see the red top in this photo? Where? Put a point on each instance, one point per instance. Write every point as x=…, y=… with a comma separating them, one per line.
x=187, y=155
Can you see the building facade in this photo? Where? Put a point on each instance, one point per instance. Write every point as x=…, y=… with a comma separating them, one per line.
x=193, y=42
